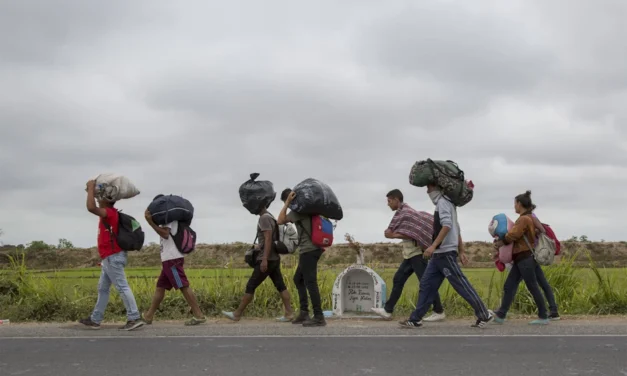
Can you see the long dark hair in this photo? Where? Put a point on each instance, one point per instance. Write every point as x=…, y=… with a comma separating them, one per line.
x=524, y=199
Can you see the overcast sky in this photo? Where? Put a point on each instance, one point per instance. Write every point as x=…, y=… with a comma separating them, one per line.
x=191, y=97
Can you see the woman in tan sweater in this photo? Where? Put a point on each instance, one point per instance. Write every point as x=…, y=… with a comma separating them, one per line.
x=525, y=266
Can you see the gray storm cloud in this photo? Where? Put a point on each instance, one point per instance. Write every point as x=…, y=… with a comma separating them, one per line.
x=191, y=99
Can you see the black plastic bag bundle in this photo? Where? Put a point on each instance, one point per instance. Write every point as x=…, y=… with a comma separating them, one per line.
x=166, y=209
x=314, y=197
x=256, y=195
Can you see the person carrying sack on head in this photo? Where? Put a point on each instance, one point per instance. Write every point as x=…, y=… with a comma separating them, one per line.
x=114, y=260
x=172, y=269
x=306, y=276
x=443, y=253
x=267, y=264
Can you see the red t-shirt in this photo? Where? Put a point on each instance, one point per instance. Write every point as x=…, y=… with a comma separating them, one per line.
x=105, y=247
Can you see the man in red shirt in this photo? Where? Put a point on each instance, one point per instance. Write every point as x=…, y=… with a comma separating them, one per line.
x=114, y=259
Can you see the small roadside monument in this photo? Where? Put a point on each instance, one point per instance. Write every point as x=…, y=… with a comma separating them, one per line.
x=358, y=288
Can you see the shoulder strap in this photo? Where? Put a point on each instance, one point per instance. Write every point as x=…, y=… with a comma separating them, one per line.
x=300, y=223
x=275, y=231
x=532, y=249
x=108, y=227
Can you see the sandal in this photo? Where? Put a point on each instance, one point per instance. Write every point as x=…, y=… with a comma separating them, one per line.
x=194, y=321
x=148, y=322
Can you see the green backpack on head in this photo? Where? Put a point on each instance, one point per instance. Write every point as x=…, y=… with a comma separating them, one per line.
x=446, y=175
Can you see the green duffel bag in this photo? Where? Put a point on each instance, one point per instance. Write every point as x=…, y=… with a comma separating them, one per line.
x=446, y=175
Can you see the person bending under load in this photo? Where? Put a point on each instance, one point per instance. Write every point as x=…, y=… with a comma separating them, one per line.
x=114, y=260
x=172, y=272
x=306, y=276
x=415, y=229
x=268, y=265
x=525, y=266
x=447, y=245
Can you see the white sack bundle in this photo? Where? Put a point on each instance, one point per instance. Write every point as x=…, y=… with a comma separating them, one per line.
x=114, y=187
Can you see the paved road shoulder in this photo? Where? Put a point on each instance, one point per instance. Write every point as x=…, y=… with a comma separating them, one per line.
x=615, y=326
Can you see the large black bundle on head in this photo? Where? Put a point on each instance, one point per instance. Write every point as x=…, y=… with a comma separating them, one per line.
x=166, y=209
x=256, y=195
x=314, y=197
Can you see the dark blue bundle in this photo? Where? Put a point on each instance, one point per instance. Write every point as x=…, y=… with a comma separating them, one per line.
x=166, y=209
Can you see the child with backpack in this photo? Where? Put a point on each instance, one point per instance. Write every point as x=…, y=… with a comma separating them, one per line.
x=310, y=251
x=177, y=240
x=114, y=260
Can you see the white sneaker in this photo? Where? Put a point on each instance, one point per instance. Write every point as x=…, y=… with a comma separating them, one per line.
x=381, y=312
x=435, y=317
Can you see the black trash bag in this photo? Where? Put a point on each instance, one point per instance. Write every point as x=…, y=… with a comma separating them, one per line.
x=166, y=209
x=314, y=197
x=256, y=195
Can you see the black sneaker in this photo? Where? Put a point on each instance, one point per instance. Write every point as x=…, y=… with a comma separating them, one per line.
x=88, y=323
x=301, y=318
x=316, y=321
x=132, y=325
x=410, y=324
x=482, y=323
x=554, y=317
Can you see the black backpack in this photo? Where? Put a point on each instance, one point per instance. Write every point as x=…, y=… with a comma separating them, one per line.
x=185, y=238
x=130, y=235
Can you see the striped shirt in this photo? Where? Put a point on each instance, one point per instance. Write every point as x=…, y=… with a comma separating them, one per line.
x=417, y=225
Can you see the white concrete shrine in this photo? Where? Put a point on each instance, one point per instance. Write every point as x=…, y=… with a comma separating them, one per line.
x=358, y=289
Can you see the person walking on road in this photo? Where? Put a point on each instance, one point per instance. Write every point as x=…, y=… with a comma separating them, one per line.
x=524, y=266
x=415, y=229
x=114, y=260
x=268, y=264
x=447, y=246
x=306, y=276
x=172, y=272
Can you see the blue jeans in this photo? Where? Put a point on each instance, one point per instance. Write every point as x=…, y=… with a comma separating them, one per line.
x=444, y=265
x=529, y=271
x=418, y=265
x=113, y=273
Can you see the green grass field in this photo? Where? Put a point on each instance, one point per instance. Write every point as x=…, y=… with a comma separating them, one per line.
x=70, y=294
x=479, y=277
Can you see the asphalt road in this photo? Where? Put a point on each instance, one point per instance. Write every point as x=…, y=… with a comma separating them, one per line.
x=315, y=356
x=342, y=348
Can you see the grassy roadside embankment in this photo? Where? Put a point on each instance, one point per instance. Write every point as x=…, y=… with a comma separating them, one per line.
x=65, y=295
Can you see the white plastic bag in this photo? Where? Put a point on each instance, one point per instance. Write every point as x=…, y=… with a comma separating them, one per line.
x=289, y=236
x=114, y=187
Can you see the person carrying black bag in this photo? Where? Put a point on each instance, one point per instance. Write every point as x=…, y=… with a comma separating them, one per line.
x=267, y=264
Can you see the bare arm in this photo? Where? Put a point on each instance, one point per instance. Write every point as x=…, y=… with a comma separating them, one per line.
x=267, y=244
x=283, y=219
x=163, y=232
x=91, y=201
x=460, y=244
